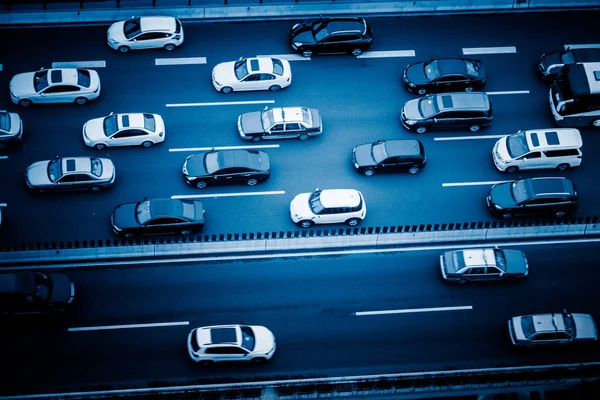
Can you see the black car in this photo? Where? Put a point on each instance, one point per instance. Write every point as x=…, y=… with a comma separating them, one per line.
x=34, y=292
x=331, y=35
x=389, y=156
x=158, y=217
x=447, y=111
x=226, y=166
x=533, y=196
x=550, y=64
x=444, y=75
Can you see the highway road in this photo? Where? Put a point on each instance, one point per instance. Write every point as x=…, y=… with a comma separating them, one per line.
x=313, y=305
x=359, y=98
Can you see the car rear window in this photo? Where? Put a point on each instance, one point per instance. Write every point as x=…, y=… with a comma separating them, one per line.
x=277, y=67
x=96, y=166
x=177, y=26
x=83, y=78
x=4, y=122
x=527, y=326
x=149, y=122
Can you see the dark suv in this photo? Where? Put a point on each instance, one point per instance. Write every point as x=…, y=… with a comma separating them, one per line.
x=389, y=156
x=447, y=111
x=331, y=35
x=34, y=293
x=533, y=196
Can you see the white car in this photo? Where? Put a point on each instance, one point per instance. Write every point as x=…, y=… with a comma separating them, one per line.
x=145, y=33
x=129, y=129
x=259, y=73
x=55, y=85
x=330, y=206
x=231, y=343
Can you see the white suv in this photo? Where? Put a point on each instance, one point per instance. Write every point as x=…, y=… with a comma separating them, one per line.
x=145, y=33
x=231, y=343
x=330, y=206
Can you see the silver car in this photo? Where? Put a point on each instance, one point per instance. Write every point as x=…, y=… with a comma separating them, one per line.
x=70, y=173
x=552, y=329
x=11, y=128
x=483, y=265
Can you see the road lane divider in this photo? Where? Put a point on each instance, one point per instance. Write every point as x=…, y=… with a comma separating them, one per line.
x=220, y=103
x=289, y=57
x=180, y=61
x=508, y=92
x=582, y=46
x=258, y=146
x=413, y=310
x=387, y=54
x=445, y=138
x=455, y=184
x=3, y=157
x=0, y=67
x=489, y=50
x=131, y=326
x=3, y=205
x=200, y=196
x=79, y=64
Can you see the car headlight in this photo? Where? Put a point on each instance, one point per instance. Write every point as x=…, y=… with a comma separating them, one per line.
x=297, y=44
x=411, y=84
x=410, y=122
x=497, y=207
x=295, y=26
x=356, y=165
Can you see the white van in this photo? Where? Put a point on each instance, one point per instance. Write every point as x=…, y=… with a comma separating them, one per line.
x=558, y=148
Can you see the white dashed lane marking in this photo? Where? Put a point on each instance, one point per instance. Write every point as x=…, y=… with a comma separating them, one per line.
x=0, y=67
x=200, y=196
x=582, y=46
x=289, y=57
x=443, y=139
x=3, y=157
x=132, y=326
x=79, y=64
x=3, y=205
x=489, y=50
x=220, y=103
x=180, y=61
x=259, y=146
x=414, y=310
x=486, y=183
x=386, y=54
x=509, y=92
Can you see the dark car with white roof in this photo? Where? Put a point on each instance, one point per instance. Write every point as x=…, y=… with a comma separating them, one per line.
x=280, y=123
x=483, y=265
x=552, y=329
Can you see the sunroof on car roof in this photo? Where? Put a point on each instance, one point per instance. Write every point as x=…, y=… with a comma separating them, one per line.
x=552, y=138
x=222, y=335
x=56, y=75
x=70, y=165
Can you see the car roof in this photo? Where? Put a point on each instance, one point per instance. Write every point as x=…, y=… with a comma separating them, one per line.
x=546, y=322
x=239, y=158
x=585, y=54
x=219, y=334
x=130, y=120
x=260, y=64
x=76, y=164
x=166, y=207
x=479, y=257
x=67, y=76
x=449, y=66
x=592, y=71
x=164, y=24
x=18, y=282
x=555, y=138
x=402, y=147
x=463, y=101
x=289, y=114
x=346, y=24
x=332, y=198
x=551, y=186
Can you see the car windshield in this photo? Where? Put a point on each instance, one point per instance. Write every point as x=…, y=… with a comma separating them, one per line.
x=569, y=324
x=55, y=169
x=40, y=80
x=472, y=69
x=142, y=212
x=96, y=166
x=517, y=145
x=241, y=69
x=211, y=162
x=42, y=291
x=84, y=78
x=110, y=125
x=149, y=122
x=132, y=28
x=267, y=119
x=248, y=339
x=378, y=152
x=527, y=326
x=431, y=69
x=567, y=57
x=520, y=191
x=428, y=107
x=314, y=201
x=500, y=259
x=320, y=31
x=4, y=122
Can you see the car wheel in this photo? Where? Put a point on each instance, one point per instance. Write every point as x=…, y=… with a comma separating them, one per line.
x=506, y=215
x=186, y=232
x=96, y=188
x=275, y=88
x=421, y=91
x=353, y=221
x=474, y=128
x=421, y=129
x=560, y=214
x=596, y=123
x=124, y=49
x=306, y=223
x=303, y=136
x=259, y=360
x=25, y=102
x=468, y=89
x=200, y=184
x=563, y=167
x=307, y=53
x=81, y=100
x=226, y=89
x=356, y=52
x=369, y=172
x=252, y=182
x=147, y=144
x=512, y=169
x=170, y=47
x=414, y=169
x=99, y=146
x=257, y=139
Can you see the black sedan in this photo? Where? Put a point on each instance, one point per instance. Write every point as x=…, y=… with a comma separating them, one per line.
x=444, y=75
x=331, y=35
x=226, y=166
x=158, y=217
x=389, y=156
x=550, y=64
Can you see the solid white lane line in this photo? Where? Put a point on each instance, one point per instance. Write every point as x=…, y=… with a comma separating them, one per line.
x=79, y=64
x=455, y=184
x=414, y=310
x=489, y=50
x=3, y=204
x=582, y=46
x=3, y=157
x=289, y=57
x=442, y=139
x=386, y=54
x=180, y=61
x=259, y=146
x=0, y=67
x=132, y=326
x=200, y=196
x=509, y=92
x=220, y=103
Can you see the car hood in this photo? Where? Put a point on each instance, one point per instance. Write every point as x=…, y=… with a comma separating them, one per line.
x=22, y=83
x=586, y=328
x=116, y=32
x=224, y=73
x=299, y=206
x=549, y=59
x=502, y=196
x=516, y=263
x=303, y=34
x=94, y=129
x=252, y=123
x=416, y=74
x=411, y=110
x=37, y=174
x=264, y=339
x=123, y=216
x=61, y=288
x=363, y=156
x=194, y=165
